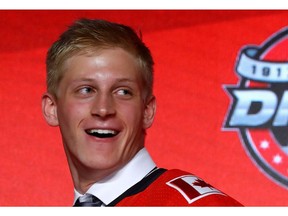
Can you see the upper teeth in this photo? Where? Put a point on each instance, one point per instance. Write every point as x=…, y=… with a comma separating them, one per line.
x=102, y=131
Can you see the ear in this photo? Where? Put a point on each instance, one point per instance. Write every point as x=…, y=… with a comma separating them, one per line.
x=149, y=112
x=49, y=109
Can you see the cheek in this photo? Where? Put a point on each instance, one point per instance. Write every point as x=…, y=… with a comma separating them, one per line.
x=132, y=116
x=71, y=113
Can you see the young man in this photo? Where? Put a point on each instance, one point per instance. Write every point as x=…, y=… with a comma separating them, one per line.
x=99, y=93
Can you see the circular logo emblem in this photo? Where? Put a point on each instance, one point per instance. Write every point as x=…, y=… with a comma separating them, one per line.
x=259, y=105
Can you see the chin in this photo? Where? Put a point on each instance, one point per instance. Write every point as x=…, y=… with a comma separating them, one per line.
x=101, y=163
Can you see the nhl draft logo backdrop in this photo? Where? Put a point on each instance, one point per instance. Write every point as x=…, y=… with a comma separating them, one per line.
x=259, y=105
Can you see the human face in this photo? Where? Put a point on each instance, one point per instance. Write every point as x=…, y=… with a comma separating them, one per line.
x=101, y=110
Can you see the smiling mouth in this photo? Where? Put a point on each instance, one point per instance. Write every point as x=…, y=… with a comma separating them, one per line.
x=102, y=133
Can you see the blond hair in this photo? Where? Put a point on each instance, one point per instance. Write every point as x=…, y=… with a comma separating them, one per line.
x=93, y=35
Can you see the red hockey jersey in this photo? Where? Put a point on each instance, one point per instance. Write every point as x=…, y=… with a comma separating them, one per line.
x=178, y=188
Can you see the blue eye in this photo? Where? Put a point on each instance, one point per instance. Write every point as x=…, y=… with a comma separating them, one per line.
x=85, y=90
x=124, y=92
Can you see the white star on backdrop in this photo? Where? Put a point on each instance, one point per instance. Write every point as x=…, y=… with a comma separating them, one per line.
x=277, y=159
x=264, y=144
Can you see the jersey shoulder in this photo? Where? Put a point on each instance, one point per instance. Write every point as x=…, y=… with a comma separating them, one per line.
x=194, y=190
x=176, y=187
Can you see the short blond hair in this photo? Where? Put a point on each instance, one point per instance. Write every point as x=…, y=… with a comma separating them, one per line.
x=93, y=35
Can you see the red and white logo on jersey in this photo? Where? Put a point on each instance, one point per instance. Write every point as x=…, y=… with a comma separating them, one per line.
x=192, y=188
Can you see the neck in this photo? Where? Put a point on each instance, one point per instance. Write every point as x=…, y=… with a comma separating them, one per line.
x=85, y=177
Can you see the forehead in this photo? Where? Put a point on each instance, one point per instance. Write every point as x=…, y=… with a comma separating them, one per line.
x=116, y=63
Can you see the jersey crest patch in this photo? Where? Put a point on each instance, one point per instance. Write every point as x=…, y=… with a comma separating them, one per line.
x=192, y=188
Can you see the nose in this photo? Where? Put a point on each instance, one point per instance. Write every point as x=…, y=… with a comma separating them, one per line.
x=103, y=106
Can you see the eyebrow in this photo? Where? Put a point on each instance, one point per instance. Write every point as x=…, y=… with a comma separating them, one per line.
x=118, y=80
